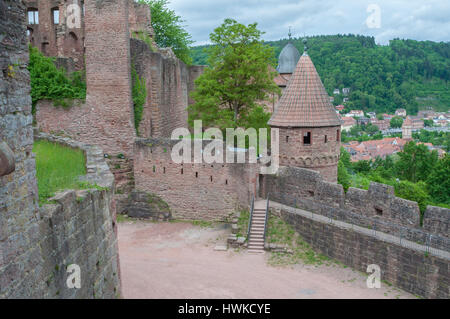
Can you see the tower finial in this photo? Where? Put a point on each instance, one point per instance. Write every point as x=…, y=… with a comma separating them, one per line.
x=305, y=41
x=290, y=34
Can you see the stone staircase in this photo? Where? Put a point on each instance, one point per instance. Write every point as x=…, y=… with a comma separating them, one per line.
x=256, y=236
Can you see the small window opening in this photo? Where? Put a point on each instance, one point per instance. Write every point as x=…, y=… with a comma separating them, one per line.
x=287, y=139
x=164, y=170
x=196, y=174
x=226, y=182
x=307, y=138
x=311, y=193
x=338, y=138
x=33, y=16
x=154, y=168
x=326, y=138
x=379, y=211
x=211, y=178
x=55, y=14
x=182, y=171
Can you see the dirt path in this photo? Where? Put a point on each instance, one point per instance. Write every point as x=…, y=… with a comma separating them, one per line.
x=178, y=260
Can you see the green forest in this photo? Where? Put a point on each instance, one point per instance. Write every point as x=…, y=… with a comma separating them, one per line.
x=404, y=74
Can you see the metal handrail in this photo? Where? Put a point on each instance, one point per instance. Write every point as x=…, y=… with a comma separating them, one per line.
x=267, y=217
x=251, y=215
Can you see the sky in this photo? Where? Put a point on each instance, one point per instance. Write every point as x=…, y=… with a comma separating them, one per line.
x=383, y=19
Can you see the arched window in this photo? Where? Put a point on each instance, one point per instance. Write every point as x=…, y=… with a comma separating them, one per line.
x=33, y=16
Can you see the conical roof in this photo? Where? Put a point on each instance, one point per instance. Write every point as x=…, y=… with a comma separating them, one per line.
x=288, y=59
x=304, y=102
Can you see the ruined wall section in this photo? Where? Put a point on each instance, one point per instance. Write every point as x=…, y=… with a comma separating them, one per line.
x=65, y=39
x=405, y=265
x=107, y=117
x=37, y=244
x=169, y=82
x=193, y=191
x=377, y=208
x=19, y=214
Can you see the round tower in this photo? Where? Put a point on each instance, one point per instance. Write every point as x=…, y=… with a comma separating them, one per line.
x=310, y=129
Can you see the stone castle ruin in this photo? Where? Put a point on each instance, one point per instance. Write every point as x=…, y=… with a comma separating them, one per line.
x=38, y=243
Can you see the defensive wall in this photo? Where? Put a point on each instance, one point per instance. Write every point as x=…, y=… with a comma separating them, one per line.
x=363, y=227
x=193, y=190
x=38, y=243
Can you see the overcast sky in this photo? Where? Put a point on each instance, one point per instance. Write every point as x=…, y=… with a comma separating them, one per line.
x=412, y=19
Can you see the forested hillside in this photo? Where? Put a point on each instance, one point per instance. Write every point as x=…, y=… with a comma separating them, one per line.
x=404, y=74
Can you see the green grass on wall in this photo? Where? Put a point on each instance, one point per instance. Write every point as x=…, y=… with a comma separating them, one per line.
x=57, y=168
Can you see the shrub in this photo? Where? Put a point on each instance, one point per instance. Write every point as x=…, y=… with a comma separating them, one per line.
x=49, y=82
x=139, y=93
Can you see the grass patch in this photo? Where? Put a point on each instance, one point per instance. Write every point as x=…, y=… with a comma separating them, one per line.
x=58, y=168
x=280, y=232
x=243, y=223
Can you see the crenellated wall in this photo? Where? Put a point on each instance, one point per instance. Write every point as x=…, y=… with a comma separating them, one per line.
x=193, y=191
x=363, y=227
x=377, y=208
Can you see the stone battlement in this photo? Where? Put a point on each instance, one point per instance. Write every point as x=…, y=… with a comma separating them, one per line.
x=377, y=208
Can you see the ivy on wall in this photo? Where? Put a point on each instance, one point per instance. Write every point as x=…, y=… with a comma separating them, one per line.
x=139, y=94
x=50, y=83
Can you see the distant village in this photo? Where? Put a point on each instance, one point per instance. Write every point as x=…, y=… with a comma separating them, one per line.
x=368, y=150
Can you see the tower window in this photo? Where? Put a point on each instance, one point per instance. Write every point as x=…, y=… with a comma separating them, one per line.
x=287, y=139
x=338, y=138
x=307, y=138
x=33, y=16
x=326, y=139
x=55, y=14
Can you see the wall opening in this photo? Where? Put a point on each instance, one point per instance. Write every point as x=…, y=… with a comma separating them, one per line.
x=378, y=211
x=55, y=16
x=338, y=138
x=33, y=16
x=287, y=139
x=326, y=139
x=196, y=174
x=307, y=138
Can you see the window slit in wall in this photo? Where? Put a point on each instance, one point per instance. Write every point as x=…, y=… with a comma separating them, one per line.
x=226, y=182
x=211, y=178
x=326, y=138
x=181, y=171
x=154, y=168
x=164, y=170
x=287, y=139
x=196, y=174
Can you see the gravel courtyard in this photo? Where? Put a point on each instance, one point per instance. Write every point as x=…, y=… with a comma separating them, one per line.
x=178, y=260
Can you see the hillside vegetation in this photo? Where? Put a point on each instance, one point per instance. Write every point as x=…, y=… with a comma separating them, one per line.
x=404, y=74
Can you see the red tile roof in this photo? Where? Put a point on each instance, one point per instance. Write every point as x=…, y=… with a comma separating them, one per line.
x=305, y=103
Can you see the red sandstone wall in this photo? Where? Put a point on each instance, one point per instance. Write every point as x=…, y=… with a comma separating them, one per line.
x=193, y=191
x=168, y=82
x=320, y=156
x=106, y=119
x=57, y=40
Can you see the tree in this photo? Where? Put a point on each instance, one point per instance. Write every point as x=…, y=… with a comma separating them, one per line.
x=169, y=31
x=439, y=181
x=428, y=122
x=415, y=162
x=238, y=79
x=343, y=176
x=396, y=122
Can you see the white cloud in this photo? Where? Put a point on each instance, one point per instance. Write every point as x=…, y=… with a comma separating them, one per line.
x=413, y=19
